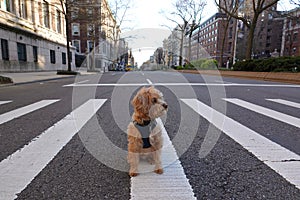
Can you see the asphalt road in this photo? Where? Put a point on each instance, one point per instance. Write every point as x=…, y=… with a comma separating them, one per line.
x=92, y=164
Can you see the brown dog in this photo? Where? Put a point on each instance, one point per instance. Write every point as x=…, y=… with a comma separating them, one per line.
x=144, y=134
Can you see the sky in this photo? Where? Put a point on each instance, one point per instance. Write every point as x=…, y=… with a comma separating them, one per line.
x=149, y=27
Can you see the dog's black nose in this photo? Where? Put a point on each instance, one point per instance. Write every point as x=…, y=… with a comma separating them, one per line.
x=165, y=105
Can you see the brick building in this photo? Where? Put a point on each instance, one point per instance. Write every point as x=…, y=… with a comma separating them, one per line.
x=208, y=39
x=93, y=27
x=291, y=33
x=33, y=35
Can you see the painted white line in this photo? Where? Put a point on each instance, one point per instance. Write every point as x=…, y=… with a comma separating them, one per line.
x=221, y=81
x=80, y=82
x=285, y=102
x=25, y=110
x=172, y=184
x=109, y=85
x=150, y=82
x=4, y=102
x=19, y=169
x=267, y=112
x=281, y=160
x=181, y=84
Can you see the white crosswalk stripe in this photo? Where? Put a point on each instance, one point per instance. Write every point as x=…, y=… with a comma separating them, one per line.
x=25, y=110
x=172, y=184
x=4, y=102
x=280, y=159
x=285, y=102
x=19, y=169
x=266, y=111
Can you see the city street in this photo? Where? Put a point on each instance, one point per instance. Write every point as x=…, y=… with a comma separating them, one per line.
x=225, y=138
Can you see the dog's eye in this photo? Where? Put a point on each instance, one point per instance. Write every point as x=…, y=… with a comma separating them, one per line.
x=154, y=100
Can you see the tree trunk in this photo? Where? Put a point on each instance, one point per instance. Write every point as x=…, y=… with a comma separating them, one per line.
x=250, y=37
x=181, y=48
x=223, y=42
x=68, y=38
x=190, y=47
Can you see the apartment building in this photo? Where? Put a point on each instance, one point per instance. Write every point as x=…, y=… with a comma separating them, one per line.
x=291, y=33
x=33, y=36
x=171, y=46
x=94, y=31
x=208, y=39
x=267, y=35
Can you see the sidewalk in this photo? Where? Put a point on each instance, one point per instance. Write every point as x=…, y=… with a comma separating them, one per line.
x=266, y=76
x=29, y=77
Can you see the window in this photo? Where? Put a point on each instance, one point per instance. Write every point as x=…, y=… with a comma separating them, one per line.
x=58, y=21
x=295, y=37
x=22, y=55
x=230, y=32
x=4, y=49
x=46, y=14
x=90, y=46
x=90, y=29
x=63, y=58
x=76, y=43
x=35, y=53
x=8, y=5
x=52, y=56
x=75, y=29
x=89, y=11
x=22, y=9
x=74, y=13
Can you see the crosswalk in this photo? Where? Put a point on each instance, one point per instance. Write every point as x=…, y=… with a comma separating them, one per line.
x=19, y=169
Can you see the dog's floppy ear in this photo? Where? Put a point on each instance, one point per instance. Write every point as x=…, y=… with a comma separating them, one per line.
x=137, y=99
x=141, y=99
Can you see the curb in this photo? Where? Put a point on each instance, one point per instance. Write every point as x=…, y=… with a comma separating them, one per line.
x=265, y=76
x=35, y=81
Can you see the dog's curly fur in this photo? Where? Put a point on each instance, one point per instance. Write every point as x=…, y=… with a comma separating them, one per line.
x=148, y=105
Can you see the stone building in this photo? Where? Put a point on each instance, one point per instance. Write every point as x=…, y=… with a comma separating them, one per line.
x=33, y=35
x=171, y=46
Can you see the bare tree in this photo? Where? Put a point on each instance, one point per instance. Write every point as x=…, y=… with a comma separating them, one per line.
x=187, y=17
x=194, y=9
x=119, y=10
x=233, y=8
x=249, y=13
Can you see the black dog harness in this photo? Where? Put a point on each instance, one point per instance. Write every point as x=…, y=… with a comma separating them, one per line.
x=145, y=130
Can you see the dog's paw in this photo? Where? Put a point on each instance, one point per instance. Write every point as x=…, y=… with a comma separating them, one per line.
x=159, y=171
x=133, y=174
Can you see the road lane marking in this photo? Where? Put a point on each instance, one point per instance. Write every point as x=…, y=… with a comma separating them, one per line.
x=150, y=82
x=285, y=102
x=266, y=111
x=25, y=110
x=20, y=168
x=172, y=184
x=4, y=102
x=108, y=85
x=281, y=160
x=80, y=82
x=181, y=84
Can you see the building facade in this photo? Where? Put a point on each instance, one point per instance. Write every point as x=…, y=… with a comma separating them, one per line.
x=94, y=32
x=33, y=36
x=208, y=39
x=291, y=33
x=171, y=46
